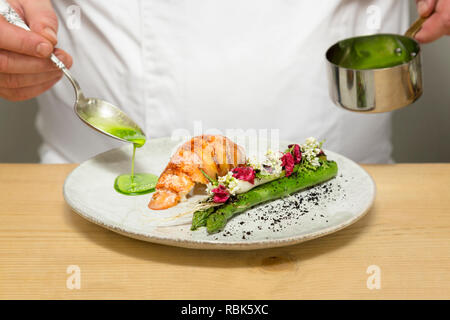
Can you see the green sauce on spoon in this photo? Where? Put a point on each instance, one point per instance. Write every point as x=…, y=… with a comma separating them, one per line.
x=119, y=130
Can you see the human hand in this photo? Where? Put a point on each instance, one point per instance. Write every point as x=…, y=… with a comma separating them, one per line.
x=25, y=68
x=438, y=23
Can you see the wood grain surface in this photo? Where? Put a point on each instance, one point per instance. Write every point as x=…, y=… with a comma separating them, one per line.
x=406, y=234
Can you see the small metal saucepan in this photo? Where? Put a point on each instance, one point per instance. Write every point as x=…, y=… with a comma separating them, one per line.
x=376, y=73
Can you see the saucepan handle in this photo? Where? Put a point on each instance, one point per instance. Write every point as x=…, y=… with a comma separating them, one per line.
x=416, y=26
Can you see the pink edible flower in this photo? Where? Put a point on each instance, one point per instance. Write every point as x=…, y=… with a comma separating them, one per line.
x=221, y=194
x=244, y=173
x=287, y=162
x=296, y=153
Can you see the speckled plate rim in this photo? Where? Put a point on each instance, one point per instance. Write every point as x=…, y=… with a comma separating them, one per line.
x=217, y=244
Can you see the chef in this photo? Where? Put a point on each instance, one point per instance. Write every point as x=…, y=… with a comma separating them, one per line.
x=172, y=65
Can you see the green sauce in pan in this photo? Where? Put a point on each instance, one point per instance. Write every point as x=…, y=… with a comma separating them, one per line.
x=129, y=184
x=374, y=52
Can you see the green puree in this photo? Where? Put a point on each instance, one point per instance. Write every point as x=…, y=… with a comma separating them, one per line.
x=129, y=184
x=119, y=130
x=135, y=184
x=374, y=52
x=129, y=134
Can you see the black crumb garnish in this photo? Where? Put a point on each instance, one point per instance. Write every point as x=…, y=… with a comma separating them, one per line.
x=289, y=212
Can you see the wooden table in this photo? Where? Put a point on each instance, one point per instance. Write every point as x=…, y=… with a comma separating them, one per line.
x=406, y=234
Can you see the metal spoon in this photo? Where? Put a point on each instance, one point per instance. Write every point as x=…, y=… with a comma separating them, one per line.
x=86, y=109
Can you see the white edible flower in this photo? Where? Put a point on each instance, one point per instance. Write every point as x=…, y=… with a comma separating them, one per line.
x=226, y=178
x=310, y=149
x=315, y=162
x=271, y=165
x=209, y=188
x=230, y=182
x=311, y=141
x=233, y=186
x=254, y=163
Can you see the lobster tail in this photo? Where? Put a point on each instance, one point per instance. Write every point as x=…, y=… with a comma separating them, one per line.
x=207, y=154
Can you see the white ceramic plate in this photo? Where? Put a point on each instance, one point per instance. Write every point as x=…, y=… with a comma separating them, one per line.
x=306, y=215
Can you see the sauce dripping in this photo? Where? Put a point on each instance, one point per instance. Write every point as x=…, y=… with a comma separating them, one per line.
x=134, y=183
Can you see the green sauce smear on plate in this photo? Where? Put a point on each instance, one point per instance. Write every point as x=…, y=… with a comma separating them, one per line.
x=129, y=184
x=135, y=184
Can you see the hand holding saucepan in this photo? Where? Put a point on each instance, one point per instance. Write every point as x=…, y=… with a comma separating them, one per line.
x=437, y=24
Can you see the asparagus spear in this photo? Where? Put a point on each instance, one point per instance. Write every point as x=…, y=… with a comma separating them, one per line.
x=218, y=217
x=200, y=217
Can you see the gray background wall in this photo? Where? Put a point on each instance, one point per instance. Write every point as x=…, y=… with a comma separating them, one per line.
x=421, y=132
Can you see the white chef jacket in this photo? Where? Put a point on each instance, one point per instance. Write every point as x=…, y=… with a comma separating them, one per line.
x=224, y=64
